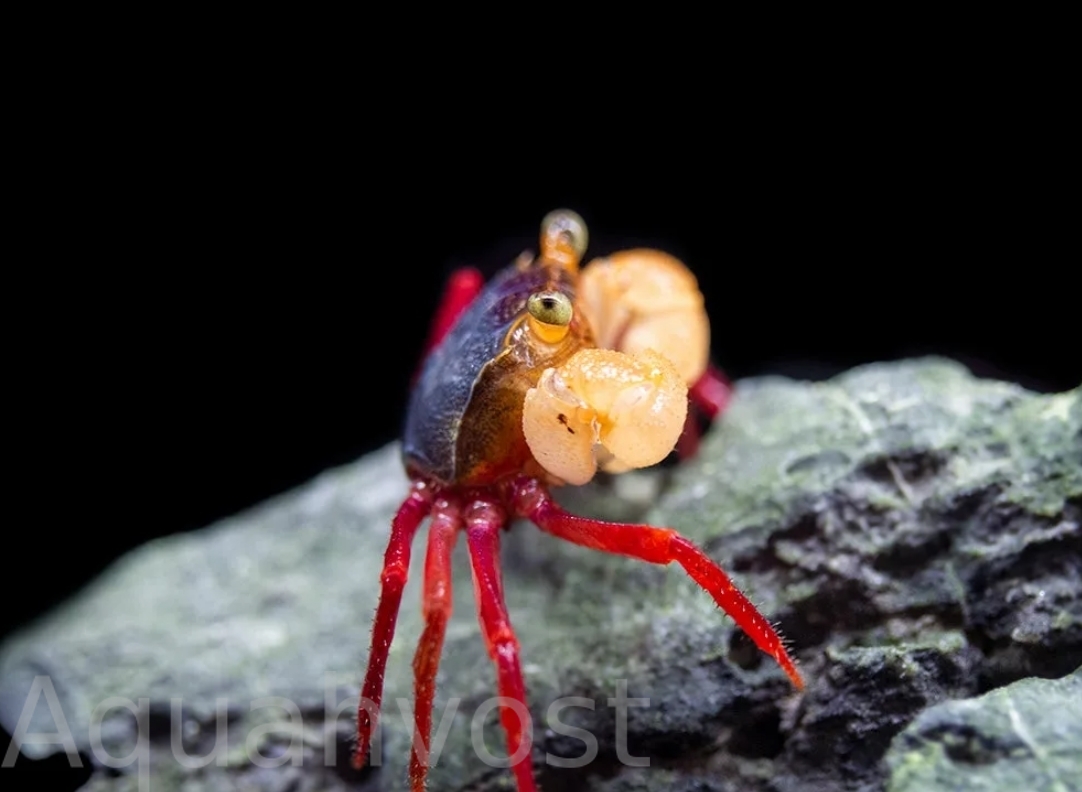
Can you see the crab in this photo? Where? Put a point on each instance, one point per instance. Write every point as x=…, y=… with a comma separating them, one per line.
x=536, y=380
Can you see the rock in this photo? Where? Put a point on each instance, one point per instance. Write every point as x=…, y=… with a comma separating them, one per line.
x=914, y=530
x=1024, y=736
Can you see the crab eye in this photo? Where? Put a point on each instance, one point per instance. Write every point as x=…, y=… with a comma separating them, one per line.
x=564, y=229
x=550, y=307
x=550, y=316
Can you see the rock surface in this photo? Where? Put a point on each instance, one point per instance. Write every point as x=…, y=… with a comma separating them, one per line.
x=1023, y=736
x=914, y=530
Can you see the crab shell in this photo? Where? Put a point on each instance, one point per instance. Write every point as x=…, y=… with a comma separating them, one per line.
x=464, y=424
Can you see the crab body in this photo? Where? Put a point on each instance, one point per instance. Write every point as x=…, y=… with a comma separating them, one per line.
x=464, y=424
x=536, y=380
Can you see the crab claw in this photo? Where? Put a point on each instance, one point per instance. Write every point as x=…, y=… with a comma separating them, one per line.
x=645, y=299
x=602, y=405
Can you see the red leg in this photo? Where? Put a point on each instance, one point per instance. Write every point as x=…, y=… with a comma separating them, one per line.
x=711, y=393
x=396, y=564
x=437, y=610
x=483, y=524
x=687, y=444
x=461, y=289
x=708, y=397
x=658, y=546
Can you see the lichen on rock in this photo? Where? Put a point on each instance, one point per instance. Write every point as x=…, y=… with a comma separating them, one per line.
x=1022, y=736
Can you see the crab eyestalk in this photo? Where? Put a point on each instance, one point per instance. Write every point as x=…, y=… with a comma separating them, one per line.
x=564, y=239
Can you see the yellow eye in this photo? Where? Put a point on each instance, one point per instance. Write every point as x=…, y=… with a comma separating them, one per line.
x=550, y=316
x=550, y=307
x=564, y=237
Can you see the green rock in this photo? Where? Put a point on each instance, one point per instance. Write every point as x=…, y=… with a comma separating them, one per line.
x=1026, y=736
x=914, y=530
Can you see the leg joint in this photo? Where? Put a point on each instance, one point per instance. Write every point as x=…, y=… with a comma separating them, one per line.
x=394, y=575
x=502, y=642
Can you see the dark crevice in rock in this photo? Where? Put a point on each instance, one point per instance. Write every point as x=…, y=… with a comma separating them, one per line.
x=759, y=735
x=579, y=779
x=801, y=528
x=867, y=697
x=1011, y=662
x=837, y=605
x=345, y=741
x=915, y=467
x=56, y=772
x=160, y=722
x=911, y=551
x=831, y=458
x=967, y=745
x=743, y=652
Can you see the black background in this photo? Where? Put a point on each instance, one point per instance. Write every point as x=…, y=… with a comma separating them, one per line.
x=239, y=309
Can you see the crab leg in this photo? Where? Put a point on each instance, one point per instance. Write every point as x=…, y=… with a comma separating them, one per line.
x=484, y=520
x=687, y=445
x=396, y=564
x=461, y=289
x=711, y=392
x=446, y=521
x=709, y=396
x=657, y=546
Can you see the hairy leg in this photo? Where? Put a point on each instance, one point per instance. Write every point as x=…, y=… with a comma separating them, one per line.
x=437, y=611
x=484, y=521
x=396, y=564
x=658, y=546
